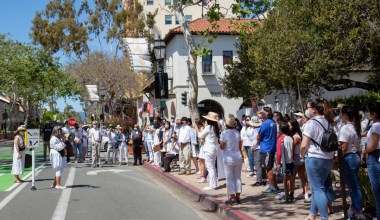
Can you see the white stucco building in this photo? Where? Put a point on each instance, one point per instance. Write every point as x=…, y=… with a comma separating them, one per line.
x=210, y=70
x=166, y=20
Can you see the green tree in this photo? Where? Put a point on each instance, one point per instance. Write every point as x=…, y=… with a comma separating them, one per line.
x=303, y=46
x=30, y=75
x=69, y=25
x=69, y=112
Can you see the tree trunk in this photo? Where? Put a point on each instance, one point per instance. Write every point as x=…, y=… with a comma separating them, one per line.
x=299, y=96
x=191, y=62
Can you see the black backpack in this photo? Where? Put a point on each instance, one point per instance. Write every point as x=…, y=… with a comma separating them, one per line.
x=329, y=139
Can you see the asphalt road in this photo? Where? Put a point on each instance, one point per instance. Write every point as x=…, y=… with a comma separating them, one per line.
x=126, y=192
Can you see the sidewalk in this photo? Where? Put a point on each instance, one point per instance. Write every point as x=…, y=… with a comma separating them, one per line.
x=254, y=204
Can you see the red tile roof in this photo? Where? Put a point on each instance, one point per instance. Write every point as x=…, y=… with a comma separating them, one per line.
x=223, y=26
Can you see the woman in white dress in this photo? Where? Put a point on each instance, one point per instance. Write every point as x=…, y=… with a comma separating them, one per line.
x=57, y=156
x=211, y=144
x=18, y=154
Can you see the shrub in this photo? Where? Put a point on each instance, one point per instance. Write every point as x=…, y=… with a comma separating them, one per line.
x=366, y=188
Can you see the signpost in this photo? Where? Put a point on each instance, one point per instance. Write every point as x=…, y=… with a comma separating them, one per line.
x=33, y=141
x=72, y=122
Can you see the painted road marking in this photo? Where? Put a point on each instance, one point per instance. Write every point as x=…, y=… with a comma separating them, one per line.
x=60, y=210
x=95, y=172
x=11, y=196
x=41, y=167
x=2, y=174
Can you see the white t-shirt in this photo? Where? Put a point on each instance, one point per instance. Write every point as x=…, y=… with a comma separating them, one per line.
x=375, y=129
x=95, y=134
x=248, y=136
x=348, y=134
x=315, y=131
x=231, y=154
x=288, y=145
x=156, y=139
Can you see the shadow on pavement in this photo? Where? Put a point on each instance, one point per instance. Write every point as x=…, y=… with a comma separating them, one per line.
x=83, y=186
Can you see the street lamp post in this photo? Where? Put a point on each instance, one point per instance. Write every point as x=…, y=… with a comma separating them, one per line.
x=159, y=48
x=102, y=94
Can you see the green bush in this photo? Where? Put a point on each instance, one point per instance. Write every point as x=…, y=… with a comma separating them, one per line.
x=361, y=101
x=365, y=187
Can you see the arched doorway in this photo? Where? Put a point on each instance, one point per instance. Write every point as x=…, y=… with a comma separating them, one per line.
x=207, y=105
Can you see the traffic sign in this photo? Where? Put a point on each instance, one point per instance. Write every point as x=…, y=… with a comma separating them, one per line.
x=72, y=122
x=33, y=138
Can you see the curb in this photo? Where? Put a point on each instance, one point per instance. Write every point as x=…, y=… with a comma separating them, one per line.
x=206, y=200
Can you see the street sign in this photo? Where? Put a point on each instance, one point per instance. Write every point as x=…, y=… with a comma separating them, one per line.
x=33, y=138
x=72, y=122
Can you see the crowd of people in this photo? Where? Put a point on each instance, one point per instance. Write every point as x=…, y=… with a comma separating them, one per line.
x=270, y=145
x=267, y=144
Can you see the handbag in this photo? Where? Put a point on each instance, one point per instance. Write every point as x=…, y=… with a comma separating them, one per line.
x=28, y=161
x=156, y=148
x=62, y=152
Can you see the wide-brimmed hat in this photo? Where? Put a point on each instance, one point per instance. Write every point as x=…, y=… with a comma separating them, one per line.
x=110, y=126
x=255, y=122
x=212, y=116
x=230, y=122
x=118, y=127
x=299, y=114
x=21, y=128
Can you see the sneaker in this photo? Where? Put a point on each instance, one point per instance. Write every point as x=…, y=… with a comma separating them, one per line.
x=270, y=190
x=207, y=188
x=280, y=196
x=308, y=200
x=202, y=180
x=257, y=184
x=60, y=187
x=249, y=175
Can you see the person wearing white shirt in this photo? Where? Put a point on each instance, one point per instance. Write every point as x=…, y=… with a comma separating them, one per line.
x=113, y=137
x=249, y=138
x=57, y=160
x=318, y=163
x=211, y=143
x=84, y=141
x=78, y=132
x=230, y=143
x=173, y=150
x=255, y=149
x=372, y=152
x=66, y=133
x=157, y=141
x=96, y=139
x=149, y=142
x=194, y=146
x=349, y=138
x=185, y=150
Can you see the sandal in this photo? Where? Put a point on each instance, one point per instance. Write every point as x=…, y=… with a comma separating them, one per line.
x=18, y=181
x=230, y=201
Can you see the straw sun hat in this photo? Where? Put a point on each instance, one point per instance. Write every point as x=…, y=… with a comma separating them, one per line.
x=21, y=128
x=230, y=122
x=212, y=116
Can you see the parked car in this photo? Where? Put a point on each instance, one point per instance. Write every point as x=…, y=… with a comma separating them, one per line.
x=104, y=144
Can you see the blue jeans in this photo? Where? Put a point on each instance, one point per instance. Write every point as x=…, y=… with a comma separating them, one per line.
x=318, y=171
x=351, y=164
x=146, y=149
x=373, y=165
x=250, y=156
x=78, y=147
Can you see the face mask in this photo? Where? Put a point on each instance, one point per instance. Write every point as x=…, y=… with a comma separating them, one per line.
x=307, y=113
x=244, y=123
x=94, y=126
x=260, y=116
x=135, y=129
x=299, y=120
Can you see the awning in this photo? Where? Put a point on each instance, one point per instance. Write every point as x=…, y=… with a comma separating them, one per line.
x=139, y=56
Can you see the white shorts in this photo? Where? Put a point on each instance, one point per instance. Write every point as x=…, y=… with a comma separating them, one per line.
x=194, y=151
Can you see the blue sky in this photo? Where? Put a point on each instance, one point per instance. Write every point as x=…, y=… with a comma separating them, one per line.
x=16, y=20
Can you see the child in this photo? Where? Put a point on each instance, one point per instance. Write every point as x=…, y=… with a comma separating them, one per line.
x=286, y=141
